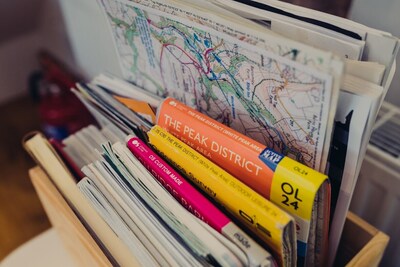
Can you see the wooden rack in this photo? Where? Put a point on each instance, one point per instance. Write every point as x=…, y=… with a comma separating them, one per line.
x=361, y=243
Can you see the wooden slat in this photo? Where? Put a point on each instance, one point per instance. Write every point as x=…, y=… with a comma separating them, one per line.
x=74, y=235
x=371, y=253
x=361, y=244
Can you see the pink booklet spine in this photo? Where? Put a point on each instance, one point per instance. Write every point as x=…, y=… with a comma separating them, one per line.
x=184, y=192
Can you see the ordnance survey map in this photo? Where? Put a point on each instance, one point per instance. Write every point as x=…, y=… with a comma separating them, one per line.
x=274, y=95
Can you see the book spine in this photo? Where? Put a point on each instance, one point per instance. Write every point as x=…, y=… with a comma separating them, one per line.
x=262, y=217
x=215, y=141
x=71, y=164
x=188, y=196
x=287, y=183
x=196, y=203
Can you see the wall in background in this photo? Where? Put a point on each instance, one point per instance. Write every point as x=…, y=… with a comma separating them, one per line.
x=383, y=15
x=27, y=26
x=90, y=37
x=18, y=18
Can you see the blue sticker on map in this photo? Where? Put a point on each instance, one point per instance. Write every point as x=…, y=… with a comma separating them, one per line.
x=271, y=158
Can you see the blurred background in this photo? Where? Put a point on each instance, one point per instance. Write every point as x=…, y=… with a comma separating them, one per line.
x=45, y=45
x=26, y=27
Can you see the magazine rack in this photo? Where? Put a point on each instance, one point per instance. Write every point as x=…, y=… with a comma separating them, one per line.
x=361, y=243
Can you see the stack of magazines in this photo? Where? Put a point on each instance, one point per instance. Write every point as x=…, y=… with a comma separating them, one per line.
x=234, y=138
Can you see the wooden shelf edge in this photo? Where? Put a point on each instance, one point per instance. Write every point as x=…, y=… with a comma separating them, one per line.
x=361, y=243
x=77, y=240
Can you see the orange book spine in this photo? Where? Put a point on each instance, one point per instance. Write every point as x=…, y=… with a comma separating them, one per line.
x=214, y=140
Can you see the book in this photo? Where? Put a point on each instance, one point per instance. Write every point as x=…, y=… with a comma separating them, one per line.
x=142, y=108
x=125, y=89
x=66, y=157
x=350, y=126
x=43, y=153
x=297, y=27
x=317, y=28
x=272, y=225
x=197, y=204
x=292, y=186
x=112, y=217
x=382, y=47
x=368, y=71
x=103, y=174
x=109, y=127
x=354, y=120
x=119, y=113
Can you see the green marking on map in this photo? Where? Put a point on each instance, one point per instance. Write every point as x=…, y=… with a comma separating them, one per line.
x=268, y=115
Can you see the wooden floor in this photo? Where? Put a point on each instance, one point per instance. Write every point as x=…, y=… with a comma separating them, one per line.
x=21, y=214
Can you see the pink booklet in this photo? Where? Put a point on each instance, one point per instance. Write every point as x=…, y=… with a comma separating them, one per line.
x=198, y=204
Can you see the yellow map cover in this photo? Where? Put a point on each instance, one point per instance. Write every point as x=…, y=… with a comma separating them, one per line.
x=271, y=224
